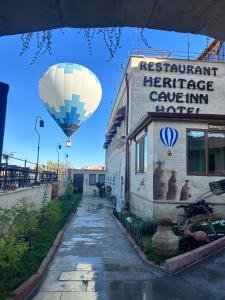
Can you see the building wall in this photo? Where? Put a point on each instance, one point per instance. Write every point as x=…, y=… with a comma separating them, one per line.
x=115, y=152
x=140, y=183
x=157, y=192
x=115, y=173
x=165, y=173
x=195, y=186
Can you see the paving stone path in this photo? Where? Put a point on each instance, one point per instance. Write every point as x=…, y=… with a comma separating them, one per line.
x=95, y=261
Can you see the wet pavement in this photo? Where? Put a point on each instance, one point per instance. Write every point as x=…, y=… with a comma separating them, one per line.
x=95, y=261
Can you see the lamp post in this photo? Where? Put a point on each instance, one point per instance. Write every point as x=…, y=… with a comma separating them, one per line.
x=66, y=157
x=57, y=149
x=41, y=124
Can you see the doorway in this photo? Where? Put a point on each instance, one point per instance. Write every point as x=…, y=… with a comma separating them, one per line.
x=78, y=181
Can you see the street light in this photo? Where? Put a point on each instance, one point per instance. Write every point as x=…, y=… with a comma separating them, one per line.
x=41, y=124
x=66, y=157
x=57, y=149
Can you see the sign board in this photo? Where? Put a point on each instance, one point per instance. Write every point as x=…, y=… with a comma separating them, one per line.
x=216, y=126
x=178, y=86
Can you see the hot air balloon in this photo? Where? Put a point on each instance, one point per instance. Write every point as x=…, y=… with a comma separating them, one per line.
x=71, y=93
x=169, y=137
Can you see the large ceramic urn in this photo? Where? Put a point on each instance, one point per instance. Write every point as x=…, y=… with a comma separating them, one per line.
x=164, y=241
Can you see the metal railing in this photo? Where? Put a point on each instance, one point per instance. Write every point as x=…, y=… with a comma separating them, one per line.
x=187, y=55
x=16, y=173
x=137, y=237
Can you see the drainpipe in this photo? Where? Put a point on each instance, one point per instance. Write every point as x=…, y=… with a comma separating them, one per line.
x=127, y=160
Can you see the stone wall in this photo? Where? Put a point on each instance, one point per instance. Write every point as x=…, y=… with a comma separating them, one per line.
x=140, y=206
x=32, y=194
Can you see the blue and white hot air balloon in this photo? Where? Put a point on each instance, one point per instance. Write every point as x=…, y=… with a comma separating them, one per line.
x=71, y=93
x=169, y=137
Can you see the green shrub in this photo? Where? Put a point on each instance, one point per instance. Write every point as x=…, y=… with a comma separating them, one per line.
x=18, y=261
x=144, y=227
x=147, y=227
x=150, y=251
x=16, y=224
x=69, y=188
x=11, y=251
x=52, y=212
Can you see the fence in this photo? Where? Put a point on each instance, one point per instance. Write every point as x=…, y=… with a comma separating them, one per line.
x=189, y=55
x=22, y=174
x=129, y=228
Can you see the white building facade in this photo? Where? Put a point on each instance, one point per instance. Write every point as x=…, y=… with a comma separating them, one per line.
x=169, y=141
x=84, y=181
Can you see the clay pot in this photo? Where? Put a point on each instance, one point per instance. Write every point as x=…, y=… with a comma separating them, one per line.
x=164, y=241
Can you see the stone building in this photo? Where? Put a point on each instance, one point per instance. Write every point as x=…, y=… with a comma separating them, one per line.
x=165, y=137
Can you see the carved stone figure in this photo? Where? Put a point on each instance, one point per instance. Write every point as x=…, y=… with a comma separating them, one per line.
x=158, y=185
x=172, y=188
x=185, y=194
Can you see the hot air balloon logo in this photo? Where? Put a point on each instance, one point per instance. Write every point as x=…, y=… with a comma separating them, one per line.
x=71, y=93
x=169, y=137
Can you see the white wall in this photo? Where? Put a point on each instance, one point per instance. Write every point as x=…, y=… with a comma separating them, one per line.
x=87, y=188
x=140, y=183
x=142, y=199
x=32, y=194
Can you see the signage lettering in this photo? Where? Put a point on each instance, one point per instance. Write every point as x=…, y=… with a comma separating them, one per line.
x=216, y=126
x=174, y=68
x=198, y=91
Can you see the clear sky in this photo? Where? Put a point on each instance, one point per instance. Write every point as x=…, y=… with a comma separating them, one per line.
x=70, y=45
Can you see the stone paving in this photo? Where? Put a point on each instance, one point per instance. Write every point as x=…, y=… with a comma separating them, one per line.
x=95, y=261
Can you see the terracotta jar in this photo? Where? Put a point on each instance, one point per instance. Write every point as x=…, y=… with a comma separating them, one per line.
x=164, y=241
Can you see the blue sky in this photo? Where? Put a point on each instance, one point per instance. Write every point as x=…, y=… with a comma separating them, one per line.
x=24, y=103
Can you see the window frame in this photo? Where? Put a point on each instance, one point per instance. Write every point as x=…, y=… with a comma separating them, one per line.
x=89, y=180
x=137, y=153
x=207, y=173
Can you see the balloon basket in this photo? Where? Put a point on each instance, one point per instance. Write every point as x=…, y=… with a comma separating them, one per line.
x=68, y=143
x=169, y=153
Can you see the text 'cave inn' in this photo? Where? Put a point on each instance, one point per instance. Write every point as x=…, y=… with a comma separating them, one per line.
x=165, y=137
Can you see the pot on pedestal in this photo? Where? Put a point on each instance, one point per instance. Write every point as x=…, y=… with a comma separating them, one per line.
x=164, y=241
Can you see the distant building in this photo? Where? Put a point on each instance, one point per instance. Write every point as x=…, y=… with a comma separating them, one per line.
x=84, y=180
x=101, y=168
x=165, y=137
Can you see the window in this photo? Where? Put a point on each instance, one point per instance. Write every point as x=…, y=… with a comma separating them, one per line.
x=205, y=152
x=92, y=179
x=141, y=155
x=101, y=178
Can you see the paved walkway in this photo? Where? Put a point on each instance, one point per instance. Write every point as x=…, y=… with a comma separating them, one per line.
x=95, y=261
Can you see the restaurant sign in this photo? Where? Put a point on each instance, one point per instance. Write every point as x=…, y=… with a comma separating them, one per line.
x=180, y=86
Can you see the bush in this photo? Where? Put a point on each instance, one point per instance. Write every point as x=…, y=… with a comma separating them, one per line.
x=144, y=227
x=150, y=251
x=52, y=213
x=69, y=189
x=11, y=251
x=17, y=227
x=22, y=222
x=147, y=227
